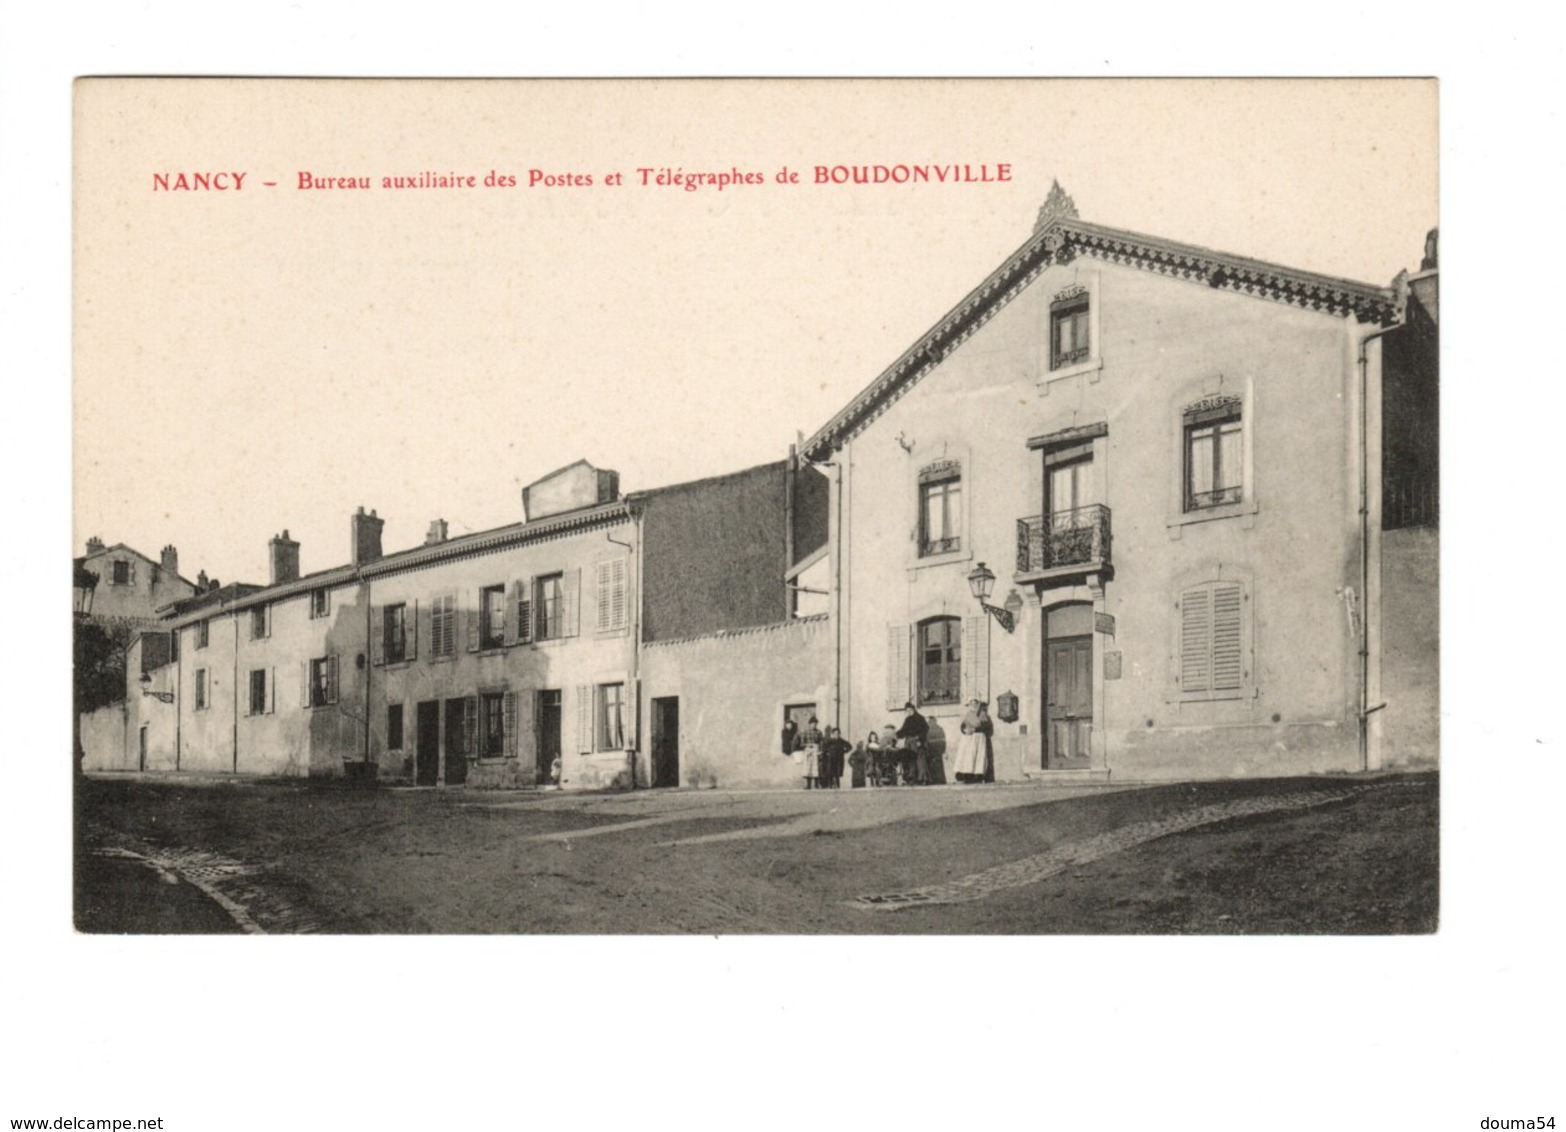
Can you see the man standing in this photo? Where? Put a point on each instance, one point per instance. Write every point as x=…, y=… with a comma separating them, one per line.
x=914, y=732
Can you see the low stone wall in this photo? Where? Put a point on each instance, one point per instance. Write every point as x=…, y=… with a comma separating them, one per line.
x=733, y=688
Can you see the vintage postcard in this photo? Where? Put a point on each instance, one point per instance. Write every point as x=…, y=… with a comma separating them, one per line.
x=757, y=508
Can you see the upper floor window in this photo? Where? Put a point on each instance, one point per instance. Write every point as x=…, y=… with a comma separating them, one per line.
x=394, y=633
x=121, y=575
x=260, y=702
x=322, y=679
x=443, y=625
x=611, y=595
x=549, y=606
x=260, y=622
x=1214, y=453
x=940, y=508
x=320, y=602
x=492, y=617
x=203, y=634
x=940, y=660
x=1069, y=329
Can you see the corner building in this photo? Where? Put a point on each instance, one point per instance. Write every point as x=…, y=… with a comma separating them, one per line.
x=1171, y=462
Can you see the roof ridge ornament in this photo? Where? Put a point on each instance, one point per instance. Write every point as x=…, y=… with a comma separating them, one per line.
x=1057, y=206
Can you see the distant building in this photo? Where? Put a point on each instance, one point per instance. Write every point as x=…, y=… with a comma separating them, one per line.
x=131, y=586
x=510, y=657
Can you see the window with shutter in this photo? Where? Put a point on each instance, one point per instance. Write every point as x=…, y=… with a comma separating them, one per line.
x=1213, y=661
x=896, y=667
x=522, y=618
x=549, y=606
x=611, y=596
x=940, y=660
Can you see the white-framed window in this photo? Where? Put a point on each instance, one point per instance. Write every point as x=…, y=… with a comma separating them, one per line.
x=1070, y=328
x=939, y=660
x=549, y=607
x=609, y=717
x=940, y=508
x=1214, y=453
x=492, y=616
x=320, y=603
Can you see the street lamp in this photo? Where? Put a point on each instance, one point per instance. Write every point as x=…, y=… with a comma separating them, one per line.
x=148, y=690
x=83, y=586
x=981, y=581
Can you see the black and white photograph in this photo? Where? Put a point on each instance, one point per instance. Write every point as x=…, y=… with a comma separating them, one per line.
x=900, y=528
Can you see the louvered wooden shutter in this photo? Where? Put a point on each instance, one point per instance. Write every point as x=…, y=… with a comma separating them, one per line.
x=512, y=612
x=975, y=658
x=584, y=718
x=509, y=749
x=470, y=725
x=633, y=712
x=271, y=691
x=524, y=737
x=571, y=615
x=1196, y=627
x=471, y=616
x=524, y=610
x=1228, y=668
x=304, y=684
x=411, y=630
x=897, y=667
x=378, y=635
x=331, y=679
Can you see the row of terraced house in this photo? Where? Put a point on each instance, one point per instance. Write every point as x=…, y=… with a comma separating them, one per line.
x=1170, y=512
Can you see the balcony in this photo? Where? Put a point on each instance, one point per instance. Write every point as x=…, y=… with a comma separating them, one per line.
x=1063, y=545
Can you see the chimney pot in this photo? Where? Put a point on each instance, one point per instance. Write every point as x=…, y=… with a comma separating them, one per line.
x=365, y=537
x=284, y=558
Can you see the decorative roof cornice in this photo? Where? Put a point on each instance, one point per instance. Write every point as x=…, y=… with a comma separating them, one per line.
x=1060, y=239
x=465, y=546
x=747, y=631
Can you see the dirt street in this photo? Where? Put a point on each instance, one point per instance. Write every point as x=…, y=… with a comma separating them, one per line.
x=1316, y=855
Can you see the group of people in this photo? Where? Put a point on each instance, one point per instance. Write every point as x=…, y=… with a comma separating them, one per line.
x=892, y=756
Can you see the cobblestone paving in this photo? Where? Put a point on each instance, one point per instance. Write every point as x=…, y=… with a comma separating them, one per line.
x=1040, y=866
x=239, y=888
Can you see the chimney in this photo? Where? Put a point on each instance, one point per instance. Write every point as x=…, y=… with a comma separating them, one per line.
x=170, y=560
x=437, y=532
x=366, y=537
x=201, y=582
x=285, y=559
x=94, y=545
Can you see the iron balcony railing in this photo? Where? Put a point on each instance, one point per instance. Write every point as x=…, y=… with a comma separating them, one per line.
x=1079, y=537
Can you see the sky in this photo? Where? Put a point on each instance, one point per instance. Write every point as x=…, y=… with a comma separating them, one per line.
x=268, y=358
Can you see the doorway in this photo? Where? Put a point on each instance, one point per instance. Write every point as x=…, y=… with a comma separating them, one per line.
x=456, y=743
x=1068, y=686
x=426, y=756
x=665, y=741
x=549, y=712
x=141, y=760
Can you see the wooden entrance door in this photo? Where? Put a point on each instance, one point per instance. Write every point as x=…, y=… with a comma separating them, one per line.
x=1068, y=702
x=426, y=744
x=548, y=732
x=141, y=761
x=666, y=741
